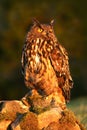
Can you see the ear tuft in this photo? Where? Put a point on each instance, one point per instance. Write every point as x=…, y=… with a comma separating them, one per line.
x=52, y=22
x=36, y=22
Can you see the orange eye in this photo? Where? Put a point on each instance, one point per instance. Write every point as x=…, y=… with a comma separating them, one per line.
x=40, y=30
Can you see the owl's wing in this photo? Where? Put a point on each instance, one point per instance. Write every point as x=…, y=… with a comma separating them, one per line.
x=59, y=61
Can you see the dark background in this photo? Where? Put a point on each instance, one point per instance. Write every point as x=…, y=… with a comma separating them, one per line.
x=70, y=28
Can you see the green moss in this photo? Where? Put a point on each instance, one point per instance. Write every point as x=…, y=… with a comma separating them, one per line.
x=68, y=117
x=29, y=122
x=39, y=109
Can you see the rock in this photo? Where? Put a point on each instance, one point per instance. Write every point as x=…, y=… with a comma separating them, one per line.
x=9, y=110
x=14, y=115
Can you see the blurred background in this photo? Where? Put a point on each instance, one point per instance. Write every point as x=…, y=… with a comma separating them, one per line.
x=70, y=28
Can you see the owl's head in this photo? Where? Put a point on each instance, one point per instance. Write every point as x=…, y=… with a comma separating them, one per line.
x=42, y=30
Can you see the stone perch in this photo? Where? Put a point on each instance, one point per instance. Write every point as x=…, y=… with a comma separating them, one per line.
x=37, y=113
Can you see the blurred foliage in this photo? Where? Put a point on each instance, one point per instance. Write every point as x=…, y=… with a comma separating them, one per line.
x=79, y=107
x=70, y=28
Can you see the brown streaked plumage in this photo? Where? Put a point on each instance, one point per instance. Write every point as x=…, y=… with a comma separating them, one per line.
x=45, y=62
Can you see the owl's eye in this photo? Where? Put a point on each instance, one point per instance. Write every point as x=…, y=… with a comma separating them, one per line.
x=40, y=29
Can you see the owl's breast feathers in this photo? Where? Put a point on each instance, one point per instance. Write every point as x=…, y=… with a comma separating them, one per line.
x=45, y=65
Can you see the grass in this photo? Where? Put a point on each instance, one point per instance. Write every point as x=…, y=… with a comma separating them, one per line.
x=79, y=107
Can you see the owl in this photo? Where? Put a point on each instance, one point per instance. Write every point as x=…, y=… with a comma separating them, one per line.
x=44, y=61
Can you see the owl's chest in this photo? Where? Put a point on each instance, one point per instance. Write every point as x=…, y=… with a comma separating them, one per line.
x=38, y=51
x=40, y=45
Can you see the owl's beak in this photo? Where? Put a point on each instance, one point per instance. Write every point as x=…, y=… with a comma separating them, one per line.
x=45, y=33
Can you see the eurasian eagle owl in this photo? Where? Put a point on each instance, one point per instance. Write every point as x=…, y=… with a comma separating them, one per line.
x=45, y=62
